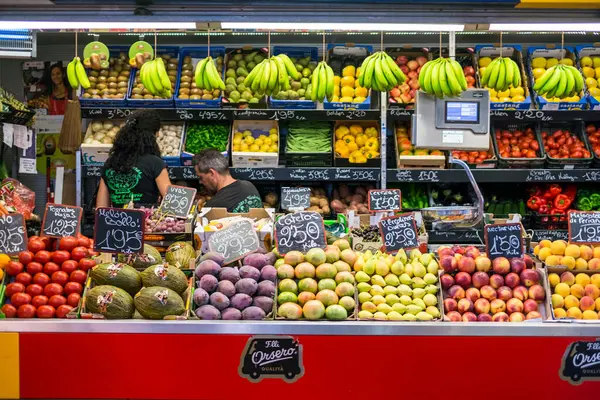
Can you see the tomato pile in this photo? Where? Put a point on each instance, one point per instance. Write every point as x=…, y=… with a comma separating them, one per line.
x=517, y=144
x=594, y=138
x=564, y=144
x=472, y=157
x=48, y=283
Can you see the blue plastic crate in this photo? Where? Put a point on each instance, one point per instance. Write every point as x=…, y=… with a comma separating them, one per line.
x=297, y=52
x=106, y=103
x=262, y=101
x=173, y=51
x=593, y=51
x=199, y=52
x=366, y=105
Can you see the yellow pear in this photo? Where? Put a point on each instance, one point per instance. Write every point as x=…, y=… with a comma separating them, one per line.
x=381, y=267
x=586, y=61
x=359, y=264
x=369, y=267
x=398, y=268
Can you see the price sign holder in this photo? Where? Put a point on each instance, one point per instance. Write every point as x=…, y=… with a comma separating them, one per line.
x=399, y=232
x=300, y=231
x=584, y=227
x=384, y=200
x=13, y=234
x=503, y=240
x=61, y=220
x=295, y=198
x=178, y=201
x=119, y=230
x=234, y=242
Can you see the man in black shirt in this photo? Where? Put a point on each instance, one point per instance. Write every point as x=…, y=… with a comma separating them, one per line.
x=213, y=170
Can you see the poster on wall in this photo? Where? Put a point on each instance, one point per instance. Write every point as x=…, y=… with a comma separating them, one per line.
x=46, y=86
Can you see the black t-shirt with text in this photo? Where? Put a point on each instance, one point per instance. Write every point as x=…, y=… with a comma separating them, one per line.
x=238, y=197
x=137, y=185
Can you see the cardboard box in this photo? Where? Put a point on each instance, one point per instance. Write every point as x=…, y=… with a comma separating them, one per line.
x=96, y=154
x=344, y=162
x=416, y=161
x=243, y=159
x=559, y=270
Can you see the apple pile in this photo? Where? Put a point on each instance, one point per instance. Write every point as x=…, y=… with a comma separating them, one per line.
x=469, y=76
x=406, y=92
x=477, y=289
x=517, y=143
x=48, y=283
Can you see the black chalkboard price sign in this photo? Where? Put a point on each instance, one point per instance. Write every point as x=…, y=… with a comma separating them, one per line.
x=13, y=235
x=178, y=201
x=295, y=198
x=503, y=240
x=118, y=230
x=61, y=221
x=399, y=232
x=385, y=200
x=300, y=231
x=235, y=241
x=272, y=357
x=584, y=227
x=580, y=362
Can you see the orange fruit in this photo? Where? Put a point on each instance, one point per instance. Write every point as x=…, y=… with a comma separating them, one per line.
x=4, y=260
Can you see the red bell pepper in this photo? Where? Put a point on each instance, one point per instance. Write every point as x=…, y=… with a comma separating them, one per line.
x=543, y=209
x=555, y=212
x=552, y=191
x=562, y=202
x=570, y=191
x=535, y=190
x=535, y=202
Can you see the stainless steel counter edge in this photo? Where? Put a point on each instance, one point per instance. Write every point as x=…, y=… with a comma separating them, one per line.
x=345, y=328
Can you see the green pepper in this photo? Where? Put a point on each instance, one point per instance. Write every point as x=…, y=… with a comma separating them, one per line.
x=584, y=204
x=595, y=199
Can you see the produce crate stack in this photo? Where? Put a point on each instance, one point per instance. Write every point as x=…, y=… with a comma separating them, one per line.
x=139, y=96
x=298, y=97
x=345, y=62
x=187, y=95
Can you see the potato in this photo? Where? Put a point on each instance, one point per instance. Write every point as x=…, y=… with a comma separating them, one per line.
x=314, y=201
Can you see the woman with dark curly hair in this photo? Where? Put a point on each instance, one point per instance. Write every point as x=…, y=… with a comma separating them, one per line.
x=134, y=171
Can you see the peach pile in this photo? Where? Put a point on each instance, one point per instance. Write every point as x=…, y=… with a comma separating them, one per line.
x=572, y=256
x=575, y=296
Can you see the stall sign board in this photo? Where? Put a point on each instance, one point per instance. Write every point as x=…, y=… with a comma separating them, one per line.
x=295, y=198
x=178, y=201
x=385, y=200
x=503, y=240
x=399, y=232
x=235, y=241
x=118, y=230
x=61, y=220
x=272, y=357
x=300, y=231
x=13, y=235
x=580, y=362
x=584, y=227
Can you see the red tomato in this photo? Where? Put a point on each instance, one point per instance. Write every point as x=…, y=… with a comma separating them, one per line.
x=25, y=257
x=9, y=310
x=83, y=241
x=50, y=268
x=86, y=264
x=73, y=287
x=14, y=268
x=57, y=300
x=78, y=253
x=60, y=277
x=41, y=279
x=36, y=245
x=60, y=256
x=23, y=278
x=78, y=276
x=69, y=266
x=62, y=311
x=67, y=243
x=34, y=290
x=93, y=253
x=42, y=257
x=53, y=289
x=18, y=299
x=13, y=288
x=34, y=267
x=45, y=312
x=38, y=301
x=26, y=311
x=73, y=299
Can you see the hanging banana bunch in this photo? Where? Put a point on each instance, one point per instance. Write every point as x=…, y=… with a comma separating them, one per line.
x=442, y=77
x=559, y=81
x=380, y=72
x=272, y=75
x=155, y=79
x=76, y=74
x=322, y=83
x=206, y=76
x=500, y=74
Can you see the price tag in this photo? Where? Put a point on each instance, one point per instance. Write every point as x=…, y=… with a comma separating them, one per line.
x=277, y=357
x=118, y=230
x=385, y=200
x=61, y=221
x=13, y=235
x=295, y=198
x=584, y=227
x=503, y=240
x=301, y=231
x=178, y=201
x=235, y=241
x=399, y=232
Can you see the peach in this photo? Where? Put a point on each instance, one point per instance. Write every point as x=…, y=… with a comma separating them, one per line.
x=529, y=306
x=465, y=305
x=514, y=305
x=517, y=265
x=472, y=251
x=574, y=312
x=458, y=250
x=483, y=264
x=521, y=293
x=463, y=279
x=573, y=250
x=445, y=251
x=592, y=291
x=446, y=280
x=450, y=305
x=587, y=303
x=484, y=318
x=568, y=278
x=583, y=279
x=448, y=263
x=496, y=281
x=533, y=315
x=528, y=261
x=530, y=277
x=453, y=316
x=568, y=262
x=501, y=265
x=469, y=317
x=504, y=293
x=594, y=264
x=558, y=247
x=571, y=301
x=580, y=263
x=457, y=257
x=467, y=265
x=557, y=301
x=488, y=292
x=472, y=294
x=456, y=292
x=596, y=279
x=500, y=317
x=577, y=291
x=585, y=252
x=588, y=314
x=480, y=279
x=512, y=280
x=537, y=293
x=497, y=306
x=482, y=306
x=517, y=317
x=560, y=313
x=554, y=279
x=597, y=304
x=563, y=289
x=596, y=252
x=545, y=243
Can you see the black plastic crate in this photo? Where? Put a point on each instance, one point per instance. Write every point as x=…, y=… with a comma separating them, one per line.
x=308, y=159
x=518, y=162
x=575, y=127
x=548, y=221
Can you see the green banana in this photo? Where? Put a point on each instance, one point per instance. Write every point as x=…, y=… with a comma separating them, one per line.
x=273, y=76
x=452, y=80
x=162, y=73
x=322, y=83
x=510, y=72
x=330, y=83
x=501, y=82
x=282, y=76
x=459, y=74
x=494, y=72
x=146, y=80
x=213, y=76
x=541, y=82
x=400, y=77
x=444, y=80
x=264, y=79
x=435, y=81
x=552, y=82
x=382, y=82
x=154, y=77
x=251, y=76
x=199, y=73
x=368, y=73
x=426, y=67
x=290, y=67
x=389, y=75
x=562, y=84
x=71, y=75
x=488, y=72
x=81, y=75
x=570, y=89
x=256, y=81
x=364, y=68
x=578, y=80
x=315, y=83
x=425, y=75
x=517, y=74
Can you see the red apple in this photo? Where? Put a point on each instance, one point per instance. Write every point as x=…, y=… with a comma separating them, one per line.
x=395, y=92
x=512, y=280
x=463, y=279
x=533, y=315
x=465, y=305
x=412, y=64
x=469, y=71
x=401, y=60
x=482, y=263
x=448, y=263
x=517, y=265
x=446, y=280
x=472, y=251
x=466, y=264
x=480, y=279
x=500, y=317
x=530, y=277
x=484, y=318
x=412, y=75
x=453, y=316
x=482, y=306
x=488, y=292
x=456, y=292
x=414, y=83
x=497, y=306
x=521, y=293
x=421, y=60
x=529, y=306
x=496, y=281
x=536, y=292
x=504, y=293
x=404, y=69
x=472, y=294
x=514, y=305
x=450, y=305
x=517, y=317
x=501, y=265
x=469, y=317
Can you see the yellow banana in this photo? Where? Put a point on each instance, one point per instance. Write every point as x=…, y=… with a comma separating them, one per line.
x=382, y=82
x=199, y=73
x=146, y=80
x=330, y=83
x=81, y=74
x=315, y=83
x=578, y=80
x=162, y=74
x=368, y=72
x=289, y=66
x=71, y=75
x=517, y=75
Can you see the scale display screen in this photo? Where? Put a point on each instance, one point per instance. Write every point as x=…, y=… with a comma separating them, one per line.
x=462, y=112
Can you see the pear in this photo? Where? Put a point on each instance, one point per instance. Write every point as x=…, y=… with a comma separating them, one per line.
x=370, y=307
x=425, y=259
x=399, y=308
x=431, y=289
x=382, y=268
x=409, y=317
x=392, y=299
x=404, y=290
x=362, y=277
x=430, y=279
x=359, y=264
x=369, y=267
x=389, y=260
x=408, y=270
x=380, y=316
x=405, y=279
x=365, y=315
x=390, y=290
x=418, y=282
x=376, y=290
x=418, y=293
x=394, y=316
x=363, y=287
x=414, y=254
x=384, y=308
x=419, y=303
x=413, y=309
x=367, y=255
x=392, y=280
x=433, y=311
x=430, y=300
x=377, y=300
x=423, y=316
x=401, y=256
x=397, y=268
x=377, y=280
x=419, y=269
x=364, y=297
x=433, y=267
x=405, y=300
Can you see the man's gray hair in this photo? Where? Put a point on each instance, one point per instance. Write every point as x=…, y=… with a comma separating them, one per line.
x=209, y=159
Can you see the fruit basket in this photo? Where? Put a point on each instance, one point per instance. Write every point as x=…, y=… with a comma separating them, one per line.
x=503, y=132
x=298, y=98
x=588, y=64
x=138, y=96
x=555, y=137
x=516, y=98
x=408, y=157
x=187, y=95
x=345, y=61
x=364, y=135
x=574, y=294
x=542, y=57
x=410, y=61
x=238, y=64
x=251, y=153
x=304, y=136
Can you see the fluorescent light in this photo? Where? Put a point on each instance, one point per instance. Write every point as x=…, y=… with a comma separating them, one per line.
x=571, y=27
x=94, y=25
x=343, y=26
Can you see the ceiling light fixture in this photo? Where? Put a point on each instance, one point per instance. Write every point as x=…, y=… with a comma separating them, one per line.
x=94, y=25
x=344, y=26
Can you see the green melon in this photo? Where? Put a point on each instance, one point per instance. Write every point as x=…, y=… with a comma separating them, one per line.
x=165, y=275
x=117, y=274
x=180, y=254
x=110, y=301
x=149, y=257
x=158, y=302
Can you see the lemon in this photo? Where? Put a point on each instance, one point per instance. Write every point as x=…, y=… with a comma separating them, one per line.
x=357, y=72
x=538, y=62
x=4, y=260
x=347, y=91
x=273, y=131
x=254, y=148
x=267, y=141
x=518, y=98
x=247, y=133
x=484, y=61
x=336, y=80
x=518, y=91
x=335, y=99
x=273, y=148
x=493, y=93
x=551, y=62
x=506, y=93
x=346, y=100
x=265, y=148
x=591, y=82
x=349, y=71
x=586, y=61
x=347, y=81
x=236, y=147
x=359, y=99
x=596, y=61
x=595, y=91
x=237, y=140
x=566, y=61
x=336, y=91
x=589, y=72
x=493, y=99
x=538, y=72
x=244, y=147
x=273, y=137
x=249, y=140
x=361, y=92
x=504, y=99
